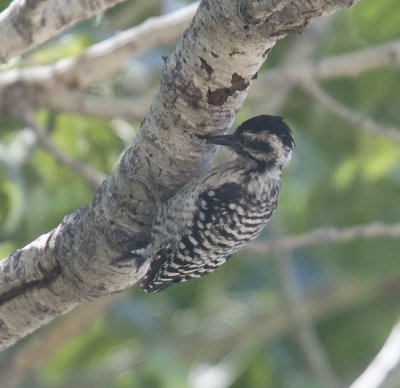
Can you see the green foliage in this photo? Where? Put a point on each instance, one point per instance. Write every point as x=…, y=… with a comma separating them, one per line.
x=369, y=23
x=4, y=4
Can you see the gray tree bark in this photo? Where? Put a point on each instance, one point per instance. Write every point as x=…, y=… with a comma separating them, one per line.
x=204, y=84
x=27, y=23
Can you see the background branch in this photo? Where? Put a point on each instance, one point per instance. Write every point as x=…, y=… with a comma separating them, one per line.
x=109, y=55
x=378, y=372
x=347, y=65
x=302, y=327
x=355, y=118
x=87, y=172
x=54, y=86
x=106, y=107
x=323, y=236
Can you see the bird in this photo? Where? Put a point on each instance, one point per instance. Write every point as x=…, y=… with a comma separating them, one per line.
x=220, y=211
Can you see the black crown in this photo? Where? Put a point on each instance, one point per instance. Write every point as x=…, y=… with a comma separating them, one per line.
x=271, y=124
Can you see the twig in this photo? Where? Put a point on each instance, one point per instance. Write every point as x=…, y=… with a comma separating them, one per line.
x=323, y=236
x=303, y=329
x=385, y=362
x=92, y=176
x=355, y=118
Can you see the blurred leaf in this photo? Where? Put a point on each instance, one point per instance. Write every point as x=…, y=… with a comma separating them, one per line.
x=376, y=159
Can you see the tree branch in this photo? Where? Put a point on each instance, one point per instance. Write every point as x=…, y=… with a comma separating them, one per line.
x=204, y=84
x=14, y=371
x=59, y=92
x=106, y=107
x=386, y=361
x=302, y=327
x=25, y=24
x=355, y=118
x=87, y=172
x=55, y=86
x=323, y=236
x=108, y=56
x=318, y=306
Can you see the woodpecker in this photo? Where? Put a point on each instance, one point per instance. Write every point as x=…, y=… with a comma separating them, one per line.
x=217, y=213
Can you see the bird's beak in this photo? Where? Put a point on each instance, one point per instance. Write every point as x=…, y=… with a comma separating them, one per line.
x=230, y=141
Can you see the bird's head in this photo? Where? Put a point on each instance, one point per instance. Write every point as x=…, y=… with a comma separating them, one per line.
x=264, y=140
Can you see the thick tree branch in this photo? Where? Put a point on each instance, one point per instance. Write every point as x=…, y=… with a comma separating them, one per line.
x=204, y=84
x=27, y=23
x=55, y=86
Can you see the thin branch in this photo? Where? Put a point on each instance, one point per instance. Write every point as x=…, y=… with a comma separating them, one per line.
x=303, y=329
x=348, y=65
x=385, y=362
x=273, y=322
x=88, y=173
x=355, y=118
x=355, y=63
x=322, y=236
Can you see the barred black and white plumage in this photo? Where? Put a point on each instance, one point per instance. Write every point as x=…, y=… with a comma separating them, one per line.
x=219, y=212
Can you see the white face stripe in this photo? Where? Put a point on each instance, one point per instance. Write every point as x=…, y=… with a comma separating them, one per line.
x=275, y=150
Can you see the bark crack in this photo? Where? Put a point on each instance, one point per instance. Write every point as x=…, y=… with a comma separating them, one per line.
x=48, y=278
